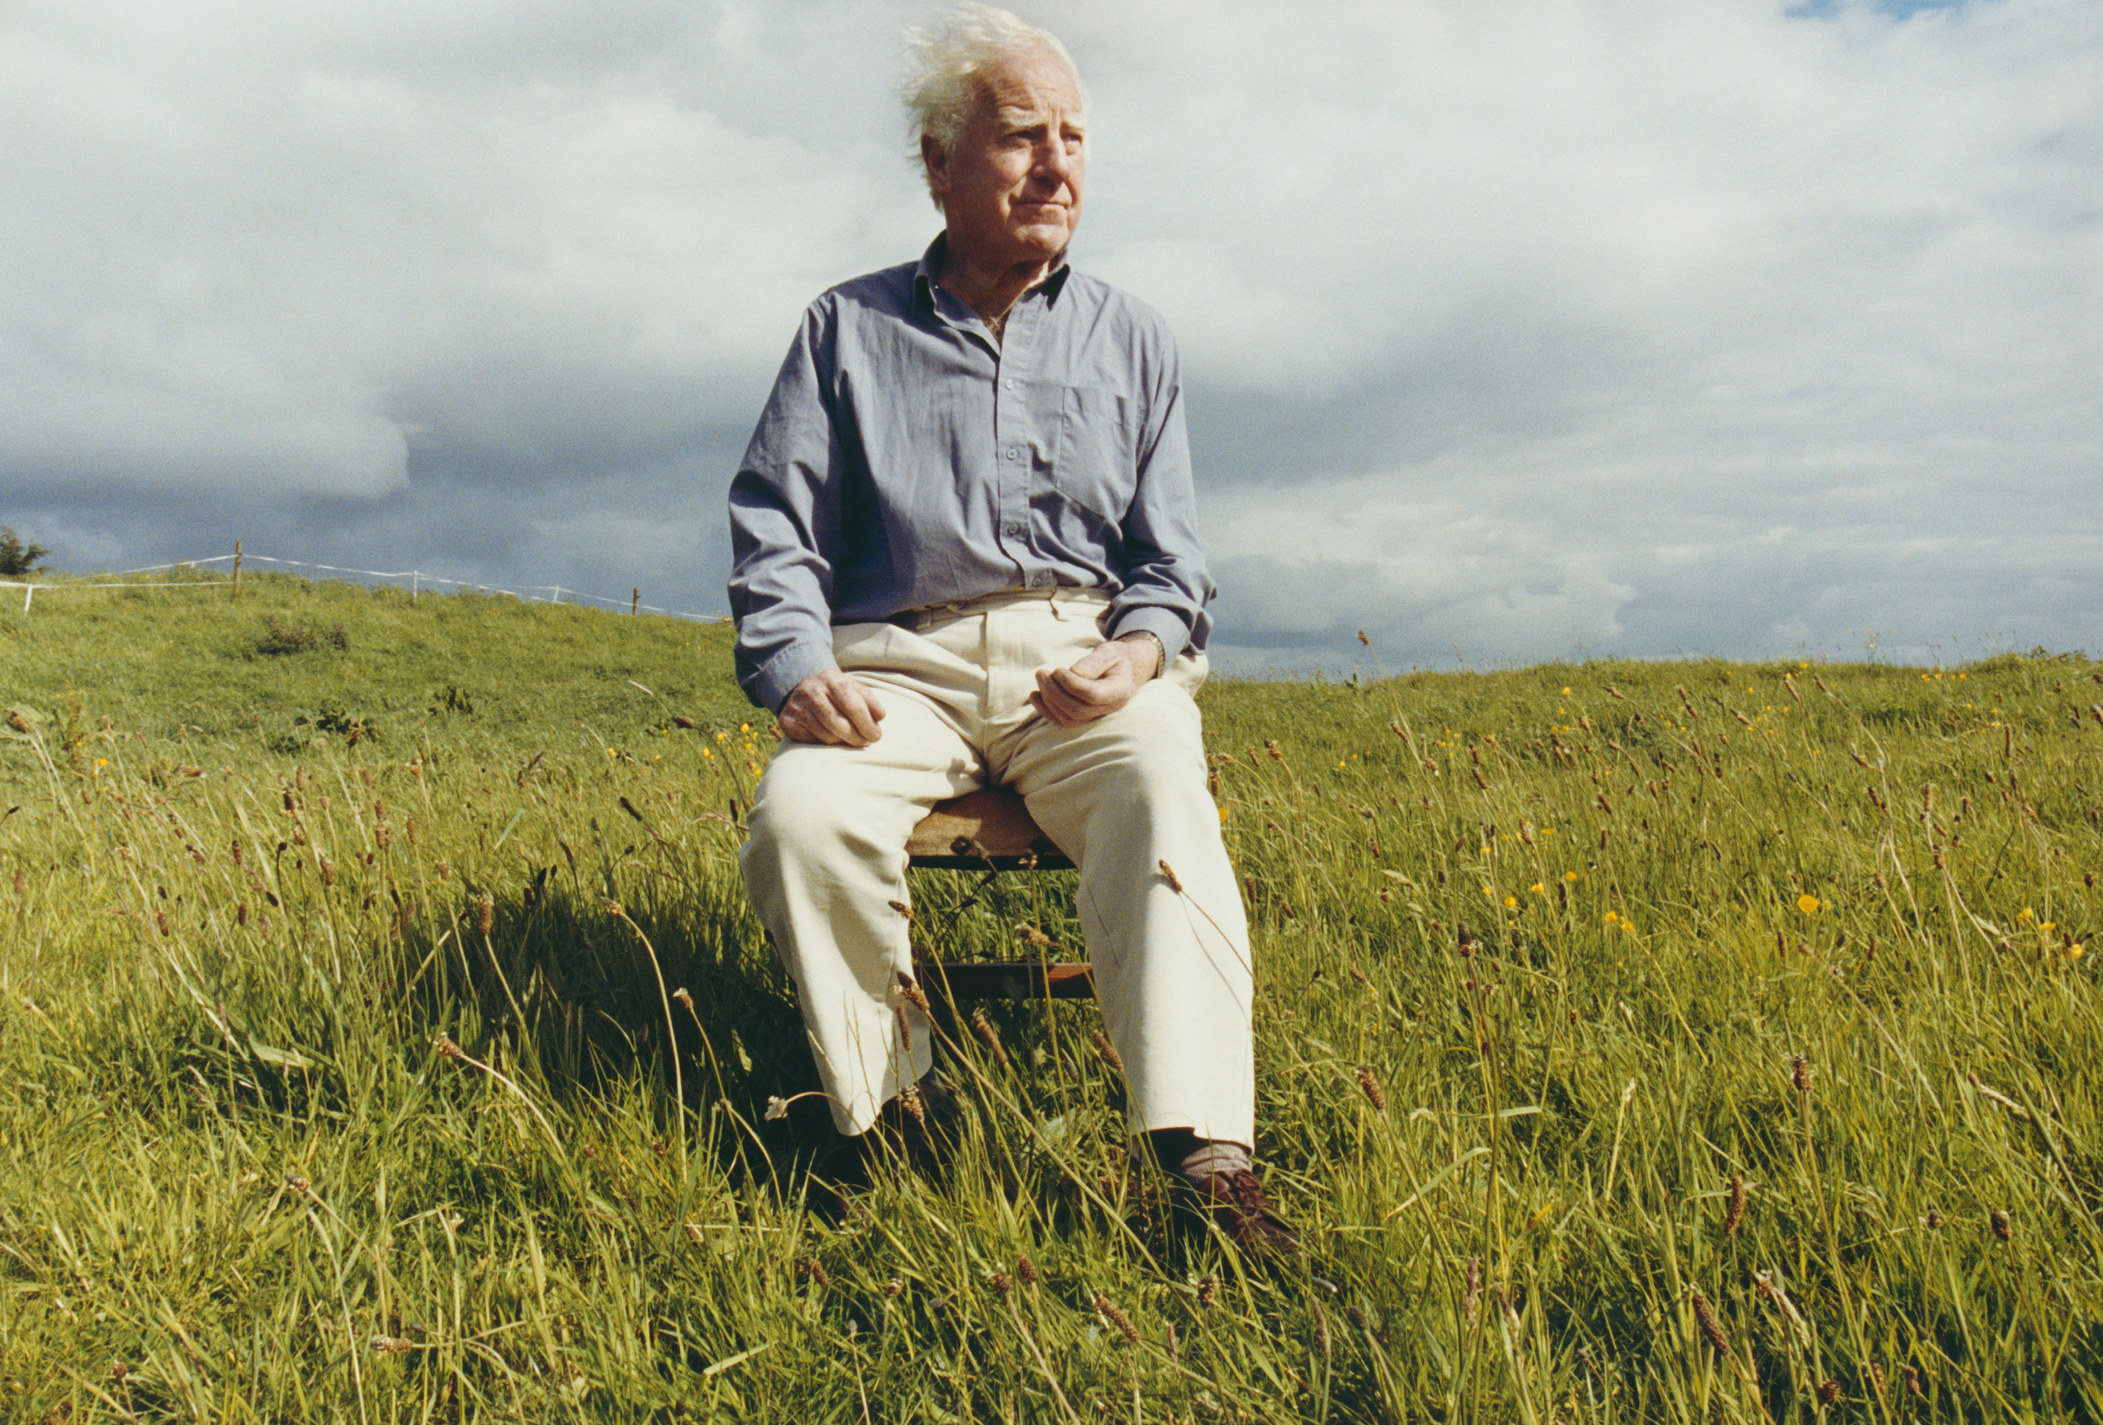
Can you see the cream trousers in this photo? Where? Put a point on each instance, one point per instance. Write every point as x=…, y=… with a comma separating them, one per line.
x=825, y=865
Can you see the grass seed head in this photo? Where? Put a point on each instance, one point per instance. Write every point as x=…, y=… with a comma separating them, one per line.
x=1734, y=1208
x=1107, y=1309
x=1779, y=1300
x=1710, y=1326
x=815, y=1270
x=983, y=1028
x=893, y=1288
x=1208, y=1289
x=1105, y=1050
x=909, y=1099
x=913, y=994
x=2002, y=1227
x=1471, y=1297
x=1002, y=1283
x=1913, y=1386
x=1828, y=1392
x=1801, y=1073
x=1027, y=1270
x=1370, y=1086
x=1168, y=874
x=485, y=913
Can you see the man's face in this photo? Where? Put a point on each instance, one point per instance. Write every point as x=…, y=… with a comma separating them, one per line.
x=1011, y=186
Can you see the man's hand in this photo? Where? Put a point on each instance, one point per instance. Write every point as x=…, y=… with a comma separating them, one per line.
x=1100, y=682
x=832, y=707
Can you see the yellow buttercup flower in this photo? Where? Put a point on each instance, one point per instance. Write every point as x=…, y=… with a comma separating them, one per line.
x=1808, y=904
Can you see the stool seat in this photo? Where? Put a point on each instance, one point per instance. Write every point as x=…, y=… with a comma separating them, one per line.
x=991, y=830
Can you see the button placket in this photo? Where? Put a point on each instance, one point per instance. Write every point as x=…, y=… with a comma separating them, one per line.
x=1011, y=436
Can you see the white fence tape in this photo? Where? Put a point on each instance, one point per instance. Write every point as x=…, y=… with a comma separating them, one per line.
x=417, y=581
x=29, y=590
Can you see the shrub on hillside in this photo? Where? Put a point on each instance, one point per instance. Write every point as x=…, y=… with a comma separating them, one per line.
x=17, y=558
x=281, y=638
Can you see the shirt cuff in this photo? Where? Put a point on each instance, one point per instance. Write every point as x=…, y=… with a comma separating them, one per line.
x=1162, y=623
x=777, y=678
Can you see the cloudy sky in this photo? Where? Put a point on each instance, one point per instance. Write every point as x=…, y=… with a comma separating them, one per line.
x=1512, y=329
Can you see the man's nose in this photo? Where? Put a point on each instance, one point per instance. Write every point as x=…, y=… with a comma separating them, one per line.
x=1055, y=164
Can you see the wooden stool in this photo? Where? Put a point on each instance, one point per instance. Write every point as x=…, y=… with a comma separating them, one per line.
x=991, y=830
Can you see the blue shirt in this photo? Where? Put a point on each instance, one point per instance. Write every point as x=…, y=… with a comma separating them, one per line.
x=906, y=458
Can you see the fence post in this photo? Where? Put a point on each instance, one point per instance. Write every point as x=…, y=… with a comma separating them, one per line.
x=635, y=600
x=235, y=597
x=415, y=577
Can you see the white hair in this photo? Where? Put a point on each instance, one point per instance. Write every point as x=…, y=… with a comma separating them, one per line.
x=943, y=67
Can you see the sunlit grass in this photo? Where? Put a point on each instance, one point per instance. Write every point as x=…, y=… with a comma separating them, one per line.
x=334, y=1083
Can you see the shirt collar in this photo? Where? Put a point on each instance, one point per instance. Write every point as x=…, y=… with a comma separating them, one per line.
x=937, y=252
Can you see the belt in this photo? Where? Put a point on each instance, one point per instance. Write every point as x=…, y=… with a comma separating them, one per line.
x=921, y=619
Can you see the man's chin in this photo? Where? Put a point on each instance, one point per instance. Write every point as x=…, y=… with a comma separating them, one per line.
x=1041, y=247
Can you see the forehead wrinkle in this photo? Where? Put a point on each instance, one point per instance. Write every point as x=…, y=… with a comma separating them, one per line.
x=1024, y=115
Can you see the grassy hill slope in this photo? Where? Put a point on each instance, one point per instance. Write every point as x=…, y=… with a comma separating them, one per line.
x=1693, y=1041
x=295, y=660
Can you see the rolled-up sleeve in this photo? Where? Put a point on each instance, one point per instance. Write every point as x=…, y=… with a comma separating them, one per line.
x=1166, y=586
x=785, y=525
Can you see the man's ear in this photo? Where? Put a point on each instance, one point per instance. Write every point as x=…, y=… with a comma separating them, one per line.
x=937, y=164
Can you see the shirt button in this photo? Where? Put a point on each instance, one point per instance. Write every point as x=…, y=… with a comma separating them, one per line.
x=1009, y=383
x=1016, y=529
x=1014, y=452
x=1040, y=579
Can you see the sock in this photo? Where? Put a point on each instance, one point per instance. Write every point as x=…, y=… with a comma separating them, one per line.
x=1213, y=1156
x=1184, y=1153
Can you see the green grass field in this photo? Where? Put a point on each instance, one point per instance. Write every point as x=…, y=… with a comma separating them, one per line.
x=384, y=1036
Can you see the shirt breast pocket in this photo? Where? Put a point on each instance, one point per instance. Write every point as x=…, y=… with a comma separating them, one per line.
x=1097, y=461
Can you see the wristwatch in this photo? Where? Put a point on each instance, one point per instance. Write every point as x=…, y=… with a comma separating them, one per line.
x=1160, y=648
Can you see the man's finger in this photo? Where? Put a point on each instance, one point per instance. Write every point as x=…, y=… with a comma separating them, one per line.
x=860, y=710
x=1091, y=689
x=1056, y=700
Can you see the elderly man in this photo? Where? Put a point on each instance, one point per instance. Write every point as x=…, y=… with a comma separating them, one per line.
x=966, y=553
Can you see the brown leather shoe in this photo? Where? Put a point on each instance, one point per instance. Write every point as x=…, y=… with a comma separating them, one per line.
x=1239, y=1207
